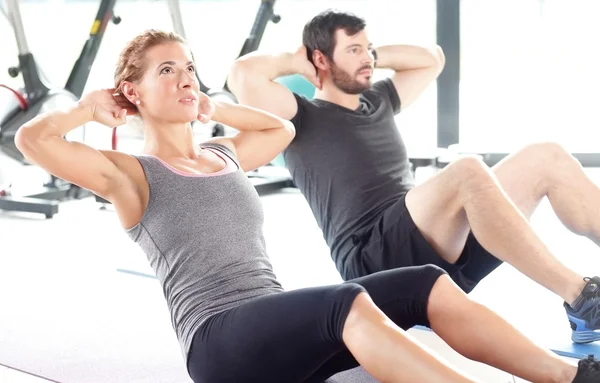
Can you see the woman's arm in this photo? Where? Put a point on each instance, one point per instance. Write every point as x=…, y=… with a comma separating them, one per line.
x=41, y=140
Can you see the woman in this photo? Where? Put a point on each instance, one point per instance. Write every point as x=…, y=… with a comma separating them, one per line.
x=199, y=220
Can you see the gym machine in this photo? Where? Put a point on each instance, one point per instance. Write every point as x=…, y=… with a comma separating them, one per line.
x=37, y=97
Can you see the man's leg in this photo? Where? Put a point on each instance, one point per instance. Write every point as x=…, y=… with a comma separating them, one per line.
x=467, y=196
x=547, y=170
x=425, y=295
x=480, y=334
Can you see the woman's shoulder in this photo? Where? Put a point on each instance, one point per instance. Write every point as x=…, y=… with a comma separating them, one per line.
x=132, y=193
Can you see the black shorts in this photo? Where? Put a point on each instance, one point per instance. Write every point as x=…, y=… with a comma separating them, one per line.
x=395, y=241
x=296, y=336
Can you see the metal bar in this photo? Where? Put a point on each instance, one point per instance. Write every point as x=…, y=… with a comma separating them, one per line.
x=448, y=37
x=81, y=70
x=14, y=15
x=263, y=16
x=30, y=205
x=177, y=21
x=587, y=160
x=176, y=18
x=62, y=192
x=3, y=10
x=269, y=185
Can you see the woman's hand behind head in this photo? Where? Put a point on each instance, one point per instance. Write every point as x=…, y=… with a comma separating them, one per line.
x=206, y=108
x=107, y=107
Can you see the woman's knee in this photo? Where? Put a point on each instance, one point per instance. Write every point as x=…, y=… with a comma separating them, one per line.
x=406, y=307
x=360, y=302
x=350, y=303
x=362, y=311
x=445, y=296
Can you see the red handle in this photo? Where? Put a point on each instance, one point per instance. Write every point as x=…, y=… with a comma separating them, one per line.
x=114, y=139
x=19, y=96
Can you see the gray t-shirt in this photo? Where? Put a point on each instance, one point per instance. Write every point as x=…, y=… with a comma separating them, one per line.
x=350, y=165
x=203, y=236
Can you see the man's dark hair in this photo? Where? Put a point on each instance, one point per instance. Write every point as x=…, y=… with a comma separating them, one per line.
x=319, y=33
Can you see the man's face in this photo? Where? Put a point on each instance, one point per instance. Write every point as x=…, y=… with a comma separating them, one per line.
x=352, y=65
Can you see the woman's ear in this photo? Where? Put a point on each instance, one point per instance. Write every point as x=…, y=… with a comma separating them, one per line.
x=129, y=91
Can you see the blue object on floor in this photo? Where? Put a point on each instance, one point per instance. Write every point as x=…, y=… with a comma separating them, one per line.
x=137, y=273
x=577, y=351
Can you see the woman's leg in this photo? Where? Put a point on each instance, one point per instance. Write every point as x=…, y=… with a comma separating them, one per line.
x=292, y=336
x=282, y=337
x=389, y=353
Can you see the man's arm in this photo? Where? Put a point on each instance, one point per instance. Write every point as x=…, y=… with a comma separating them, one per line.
x=416, y=67
x=262, y=135
x=252, y=76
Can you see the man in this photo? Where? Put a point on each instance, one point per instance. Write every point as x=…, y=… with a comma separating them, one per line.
x=349, y=161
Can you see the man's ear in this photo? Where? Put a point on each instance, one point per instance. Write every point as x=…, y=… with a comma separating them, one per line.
x=320, y=60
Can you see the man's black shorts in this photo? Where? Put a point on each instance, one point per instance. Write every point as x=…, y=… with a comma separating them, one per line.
x=395, y=241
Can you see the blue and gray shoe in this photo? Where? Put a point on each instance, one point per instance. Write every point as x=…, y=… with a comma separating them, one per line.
x=584, y=314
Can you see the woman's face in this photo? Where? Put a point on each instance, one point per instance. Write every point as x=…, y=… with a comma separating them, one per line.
x=168, y=90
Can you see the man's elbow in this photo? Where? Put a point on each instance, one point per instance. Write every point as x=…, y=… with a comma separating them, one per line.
x=239, y=77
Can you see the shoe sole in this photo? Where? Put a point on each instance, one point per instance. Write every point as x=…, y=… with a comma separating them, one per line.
x=585, y=336
x=581, y=333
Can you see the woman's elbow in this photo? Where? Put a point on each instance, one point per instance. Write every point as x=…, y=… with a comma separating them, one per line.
x=289, y=130
x=25, y=142
x=440, y=57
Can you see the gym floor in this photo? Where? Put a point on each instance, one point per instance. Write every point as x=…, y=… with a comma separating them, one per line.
x=47, y=265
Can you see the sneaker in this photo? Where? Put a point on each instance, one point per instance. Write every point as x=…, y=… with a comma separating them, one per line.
x=585, y=316
x=588, y=371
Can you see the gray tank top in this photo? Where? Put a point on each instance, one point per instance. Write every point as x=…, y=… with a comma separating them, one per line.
x=203, y=237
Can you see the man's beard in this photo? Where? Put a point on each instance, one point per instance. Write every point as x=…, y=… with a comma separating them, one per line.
x=347, y=83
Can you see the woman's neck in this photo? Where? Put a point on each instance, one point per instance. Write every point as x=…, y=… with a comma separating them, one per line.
x=170, y=141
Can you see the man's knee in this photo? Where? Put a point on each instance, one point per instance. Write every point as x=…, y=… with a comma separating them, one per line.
x=547, y=161
x=545, y=153
x=472, y=174
x=468, y=166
